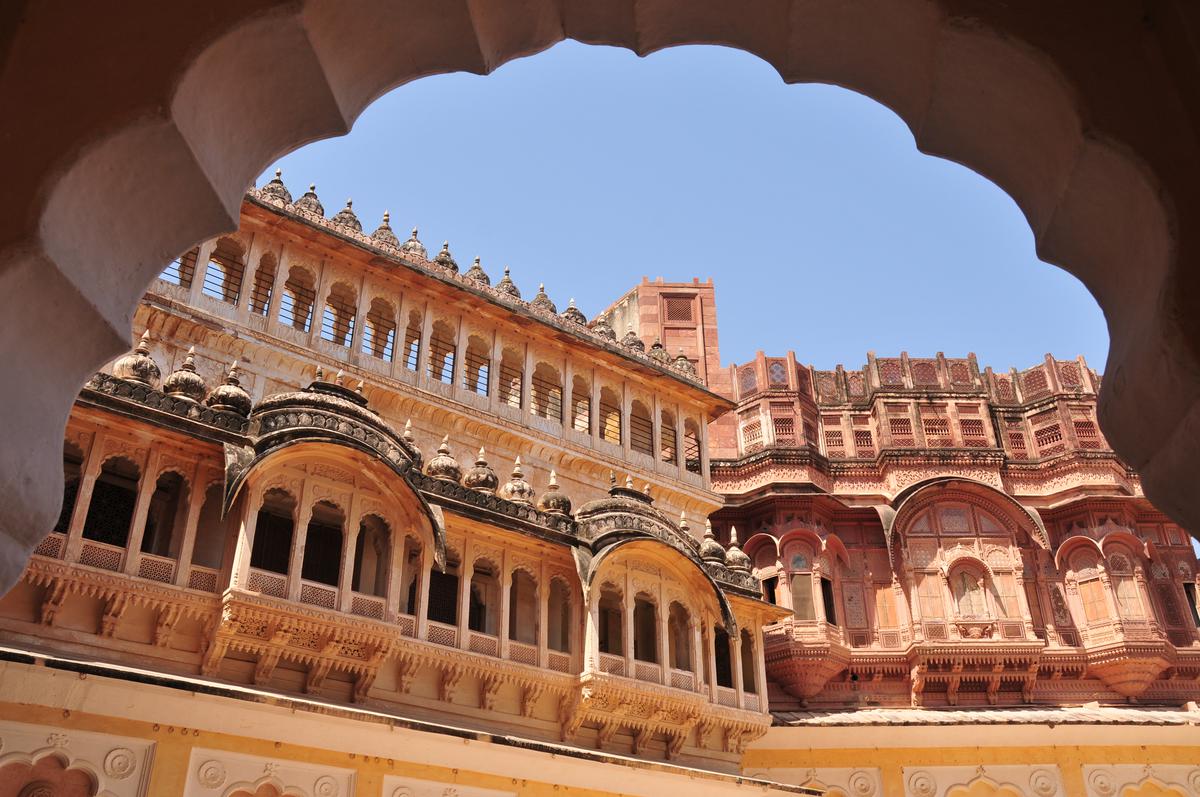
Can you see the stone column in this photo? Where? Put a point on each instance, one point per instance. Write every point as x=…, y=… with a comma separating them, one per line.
x=494, y=372
x=628, y=630
x=543, y=629
x=423, y=578
x=695, y=655
x=460, y=354
x=735, y=661
x=502, y=628
x=318, y=311
x=395, y=584
x=591, y=635
x=760, y=664
x=239, y=577
x=423, y=348
x=360, y=323
x=202, y=258
x=349, y=544
x=466, y=570
x=664, y=641
x=299, y=537
x=709, y=638
x=196, y=498
x=141, y=509
x=594, y=408
x=527, y=379
x=83, y=499
x=568, y=394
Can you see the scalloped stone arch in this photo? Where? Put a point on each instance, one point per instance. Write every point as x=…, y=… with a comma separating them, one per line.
x=1084, y=125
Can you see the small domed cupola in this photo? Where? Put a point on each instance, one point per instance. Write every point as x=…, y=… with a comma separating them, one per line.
x=445, y=259
x=506, y=285
x=542, y=301
x=184, y=382
x=310, y=203
x=632, y=341
x=347, y=218
x=414, y=247
x=554, y=500
x=476, y=274
x=602, y=328
x=659, y=353
x=384, y=235
x=275, y=189
x=443, y=466
x=516, y=489
x=481, y=477
x=684, y=365
x=229, y=396
x=735, y=557
x=138, y=365
x=574, y=314
x=710, y=549
x=407, y=437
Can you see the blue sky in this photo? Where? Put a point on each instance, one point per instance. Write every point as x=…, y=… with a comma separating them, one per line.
x=824, y=229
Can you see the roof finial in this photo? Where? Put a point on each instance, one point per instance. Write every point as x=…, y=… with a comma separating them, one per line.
x=629, y=481
x=312, y=187
x=553, y=485
x=683, y=524
x=733, y=540
x=612, y=478
x=278, y=173
x=387, y=216
x=339, y=378
x=320, y=376
x=359, y=389
x=143, y=346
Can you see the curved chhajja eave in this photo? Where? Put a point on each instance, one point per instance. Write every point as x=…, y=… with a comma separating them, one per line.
x=243, y=463
x=260, y=85
x=590, y=564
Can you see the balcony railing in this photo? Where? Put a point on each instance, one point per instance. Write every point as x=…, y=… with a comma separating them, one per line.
x=523, y=653
x=52, y=546
x=157, y=568
x=485, y=644
x=268, y=583
x=611, y=664
x=559, y=662
x=367, y=606
x=316, y=594
x=203, y=578
x=647, y=671
x=750, y=702
x=726, y=696
x=101, y=555
x=442, y=634
x=683, y=679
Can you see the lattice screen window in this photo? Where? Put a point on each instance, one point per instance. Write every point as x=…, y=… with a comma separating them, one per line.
x=810, y=434
x=1034, y=383
x=1016, y=439
x=924, y=372
x=902, y=431
x=752, y=435
x=973, y=432
x=890, y=372
x=678, y=308
x=747, y=380
x=1049, y=440
x=1087, y=434
x=937, y=432
x=834, y=443
x=777, y=373
x=863, y=443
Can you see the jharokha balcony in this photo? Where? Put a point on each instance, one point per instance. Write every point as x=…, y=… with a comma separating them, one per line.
x=302, y=545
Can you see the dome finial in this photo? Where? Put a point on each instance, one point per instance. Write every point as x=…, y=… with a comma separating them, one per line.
x=310, y=203
x=444, y=466
x=383, y=234
x=320, y=375
x=339, y=377
x=445, y=259
x=554, y=500
x=413, y=246
x=735, y=557
x=542, y=301
x=278, y=173
x=516, y=489
x=230, y=396
x=710, y=549
x=481, y=478
x=138, y=365
x=184, y=382
x=276, y=189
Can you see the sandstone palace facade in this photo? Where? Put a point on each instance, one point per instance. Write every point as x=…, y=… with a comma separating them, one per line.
x=353, y=519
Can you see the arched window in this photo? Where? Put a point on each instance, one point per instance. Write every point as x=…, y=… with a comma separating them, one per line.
x=442, y=351
x=547, y=390
x=323, y=544
x=611, y=621
x=299, y=295
x=679, y=637
x=478, y=361
x=666, y=443
x=523, y=608
x=1120, y=569
x=691, y=445
x=182, y=270
x=166, y=516
x=412, y=341
x=970, y=601
x=484, y=609
x=1085, y=565
x=72, y=473
x=722, y=655
x=558, y=635
x=264, y=283
x=114, y=494
x=645, y=630
x=512, y=375
x=641, y=429
x=209, y=547
x=273, y=531
x=379, y=335
x=581, y=405
x=800, y=582
x=224, y=273
x=337, y=320
x=610, y=416
x=749, y=671
x=443, y=592
x=372, y=556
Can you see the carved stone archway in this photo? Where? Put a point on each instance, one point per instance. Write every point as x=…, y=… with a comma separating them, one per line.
x=131, y=134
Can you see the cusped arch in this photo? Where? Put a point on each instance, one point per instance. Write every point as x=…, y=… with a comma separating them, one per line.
x=1135, y=544
x=760, y=542
x=1015, y=516
x=1068, y=547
